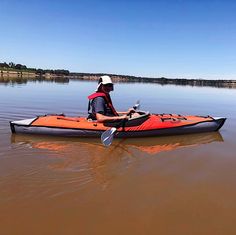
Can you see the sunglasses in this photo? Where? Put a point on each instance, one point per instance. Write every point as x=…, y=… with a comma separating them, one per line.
x=109, y=85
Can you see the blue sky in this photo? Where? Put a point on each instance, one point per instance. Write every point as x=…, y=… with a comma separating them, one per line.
x=181, y=38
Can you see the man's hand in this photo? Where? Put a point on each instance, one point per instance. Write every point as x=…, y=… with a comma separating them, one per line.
x=131, y=110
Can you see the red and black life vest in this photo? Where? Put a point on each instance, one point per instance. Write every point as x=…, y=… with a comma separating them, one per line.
x=107, y=99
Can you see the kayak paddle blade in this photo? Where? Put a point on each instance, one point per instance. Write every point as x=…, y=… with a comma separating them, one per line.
x=107, y=136
x=137, y=105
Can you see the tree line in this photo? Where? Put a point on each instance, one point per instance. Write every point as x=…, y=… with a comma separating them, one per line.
x=23, y=68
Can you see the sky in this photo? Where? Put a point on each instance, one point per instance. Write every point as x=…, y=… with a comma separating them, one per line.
x=171, y=38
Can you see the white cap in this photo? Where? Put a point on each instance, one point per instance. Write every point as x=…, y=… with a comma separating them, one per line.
x=104, y=80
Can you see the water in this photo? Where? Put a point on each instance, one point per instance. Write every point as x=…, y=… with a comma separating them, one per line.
x=169, y=185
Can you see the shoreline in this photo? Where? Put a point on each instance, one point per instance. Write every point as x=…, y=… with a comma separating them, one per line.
x=18, y=75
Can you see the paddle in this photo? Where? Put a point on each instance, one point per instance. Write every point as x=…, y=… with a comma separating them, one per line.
x=107, y=136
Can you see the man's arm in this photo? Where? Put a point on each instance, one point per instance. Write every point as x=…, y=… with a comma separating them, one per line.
x=99, y=108
x=102, y=118
x=131, y=110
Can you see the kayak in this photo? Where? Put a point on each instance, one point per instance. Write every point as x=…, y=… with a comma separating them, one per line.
x=140, y=124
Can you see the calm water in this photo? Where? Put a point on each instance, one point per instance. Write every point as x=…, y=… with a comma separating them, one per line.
x=169, y=185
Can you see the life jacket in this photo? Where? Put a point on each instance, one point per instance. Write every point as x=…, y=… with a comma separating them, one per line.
x=107, y=99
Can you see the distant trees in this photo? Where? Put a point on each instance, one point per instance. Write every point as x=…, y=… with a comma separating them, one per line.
x=13, y=66
x=20, y=66
x=55, y=72
x=4, y=65
x=61, y=71
x=40, y=71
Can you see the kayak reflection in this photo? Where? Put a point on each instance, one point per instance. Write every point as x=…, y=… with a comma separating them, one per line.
x=94, y=163
x=150, y=145
x=157, y=145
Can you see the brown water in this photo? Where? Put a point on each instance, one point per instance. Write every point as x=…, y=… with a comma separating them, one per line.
x=169, y=185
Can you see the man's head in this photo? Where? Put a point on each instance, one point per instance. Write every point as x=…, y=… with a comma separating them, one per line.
x=105, y=84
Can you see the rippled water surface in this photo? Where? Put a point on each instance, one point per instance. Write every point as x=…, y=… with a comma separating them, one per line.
x=169, y=185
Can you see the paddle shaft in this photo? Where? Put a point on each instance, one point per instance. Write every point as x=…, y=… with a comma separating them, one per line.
x=107, y=136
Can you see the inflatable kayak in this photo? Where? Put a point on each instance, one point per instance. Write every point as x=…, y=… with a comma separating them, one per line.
x=140, y=124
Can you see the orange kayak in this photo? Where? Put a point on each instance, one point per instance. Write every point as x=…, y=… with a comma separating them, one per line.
x=140, y=125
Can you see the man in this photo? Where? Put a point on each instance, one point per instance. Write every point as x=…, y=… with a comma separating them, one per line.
x=100, y=106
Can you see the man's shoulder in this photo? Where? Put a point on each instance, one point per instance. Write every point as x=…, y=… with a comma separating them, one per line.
x=99, y=100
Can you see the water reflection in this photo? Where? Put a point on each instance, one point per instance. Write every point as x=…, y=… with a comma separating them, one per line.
x=13, y=80
x=70, y=164
x=25, y=80
x=89, y=154
x=157, y=145
x=150, y=145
